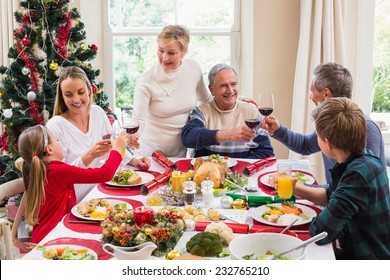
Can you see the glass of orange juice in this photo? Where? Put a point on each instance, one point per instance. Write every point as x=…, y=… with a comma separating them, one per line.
x=284, y=181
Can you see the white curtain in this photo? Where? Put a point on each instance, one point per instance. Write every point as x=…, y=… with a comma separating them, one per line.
x=331, y=31
x=7, y=25
x=321, y=39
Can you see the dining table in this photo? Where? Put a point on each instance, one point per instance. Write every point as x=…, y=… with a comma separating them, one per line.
x=90, y=235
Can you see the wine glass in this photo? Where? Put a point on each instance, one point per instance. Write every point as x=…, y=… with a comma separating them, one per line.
x=252, y=123
x=266, y=107
x=130, y=121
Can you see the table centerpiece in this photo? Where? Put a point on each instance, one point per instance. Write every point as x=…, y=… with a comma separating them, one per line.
x=119, y=229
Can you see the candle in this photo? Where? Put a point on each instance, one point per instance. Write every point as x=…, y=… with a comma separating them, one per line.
x=143, y=215
x=178, y=178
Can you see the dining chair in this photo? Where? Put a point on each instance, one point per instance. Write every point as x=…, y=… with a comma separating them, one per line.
x=6, y=245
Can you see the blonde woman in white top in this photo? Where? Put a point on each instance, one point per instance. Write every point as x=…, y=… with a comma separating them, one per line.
x=166, y=94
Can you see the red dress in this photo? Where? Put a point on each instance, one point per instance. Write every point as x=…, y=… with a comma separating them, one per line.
x=60, y=195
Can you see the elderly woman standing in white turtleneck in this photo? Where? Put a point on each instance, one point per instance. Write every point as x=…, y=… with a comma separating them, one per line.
x=166, y=94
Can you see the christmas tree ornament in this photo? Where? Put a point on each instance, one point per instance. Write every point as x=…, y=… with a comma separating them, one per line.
x=53, y=65
x=83, y=46
x=25, y=71
x=226, y=202
x=94, y=88
x=238, y=204
x=31, y=96
x=108, y=108
x=45, y=115
x=7, y=113
x=1, y=95
x=172, y=255
x=47, y=1
x=94, y=47
x=26, y=41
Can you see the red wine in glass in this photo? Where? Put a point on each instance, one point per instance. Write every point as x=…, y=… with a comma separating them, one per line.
x=131, y=130
x=266, y=111
x=252, y=123
x=267, y=105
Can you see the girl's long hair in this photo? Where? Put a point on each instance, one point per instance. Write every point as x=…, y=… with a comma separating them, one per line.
x=32, y=147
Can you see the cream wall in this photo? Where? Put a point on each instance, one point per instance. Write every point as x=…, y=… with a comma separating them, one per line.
x=91, y=14
x=269, y=42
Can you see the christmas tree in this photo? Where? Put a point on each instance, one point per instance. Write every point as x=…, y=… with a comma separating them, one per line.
x=50, y=36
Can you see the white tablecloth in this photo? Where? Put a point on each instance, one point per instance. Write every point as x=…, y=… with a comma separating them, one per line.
x=314, y=252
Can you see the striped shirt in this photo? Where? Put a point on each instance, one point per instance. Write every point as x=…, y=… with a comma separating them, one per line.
x=200, y=132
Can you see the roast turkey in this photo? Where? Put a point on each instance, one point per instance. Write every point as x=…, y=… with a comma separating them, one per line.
x=212, y=169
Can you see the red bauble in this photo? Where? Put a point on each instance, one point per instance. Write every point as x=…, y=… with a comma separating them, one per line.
x=109, y=109
x=94, y=47
x=26, y=41
x=94, y=88
x=111, y=118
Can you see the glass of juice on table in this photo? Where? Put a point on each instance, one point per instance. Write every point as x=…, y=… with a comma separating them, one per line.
x=284, y=181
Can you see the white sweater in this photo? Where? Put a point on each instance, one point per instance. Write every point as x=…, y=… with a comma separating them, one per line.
x=76, y=143
x=162, y=102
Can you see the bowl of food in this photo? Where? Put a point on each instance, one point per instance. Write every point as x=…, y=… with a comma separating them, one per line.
x=264, y=246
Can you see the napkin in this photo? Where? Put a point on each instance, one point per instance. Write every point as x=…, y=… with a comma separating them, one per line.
x=163, y=160
x=183, y=165
x=94, y=245
x=156, y=182
x=237, y=228
x=241, y=165
x=258, y=165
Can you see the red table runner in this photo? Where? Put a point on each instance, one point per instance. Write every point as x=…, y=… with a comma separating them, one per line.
x=125, y=191
x=94, y=228
x=94, y=245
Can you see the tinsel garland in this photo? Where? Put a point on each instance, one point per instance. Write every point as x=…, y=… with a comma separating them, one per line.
x=31, y=64
x=63, y=36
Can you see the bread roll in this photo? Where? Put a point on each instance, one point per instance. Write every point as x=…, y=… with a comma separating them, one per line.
x=134, y=179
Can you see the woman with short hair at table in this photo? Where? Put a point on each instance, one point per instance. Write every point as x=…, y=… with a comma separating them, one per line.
x=166, y=94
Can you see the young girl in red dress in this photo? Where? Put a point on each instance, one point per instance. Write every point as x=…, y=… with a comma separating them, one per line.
x=49, y=181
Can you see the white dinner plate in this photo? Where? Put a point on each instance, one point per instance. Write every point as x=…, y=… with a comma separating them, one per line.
x=146, y=178
x=231, y=162
x=264, y=179
x=110, y=201
x=258, y=212
x=38, y=254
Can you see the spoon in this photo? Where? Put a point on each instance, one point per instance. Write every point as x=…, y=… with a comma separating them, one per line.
x=315, y=238
x=290, y=225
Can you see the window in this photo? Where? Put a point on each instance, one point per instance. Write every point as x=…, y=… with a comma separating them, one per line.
x=381, y=64
x=135, y=24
